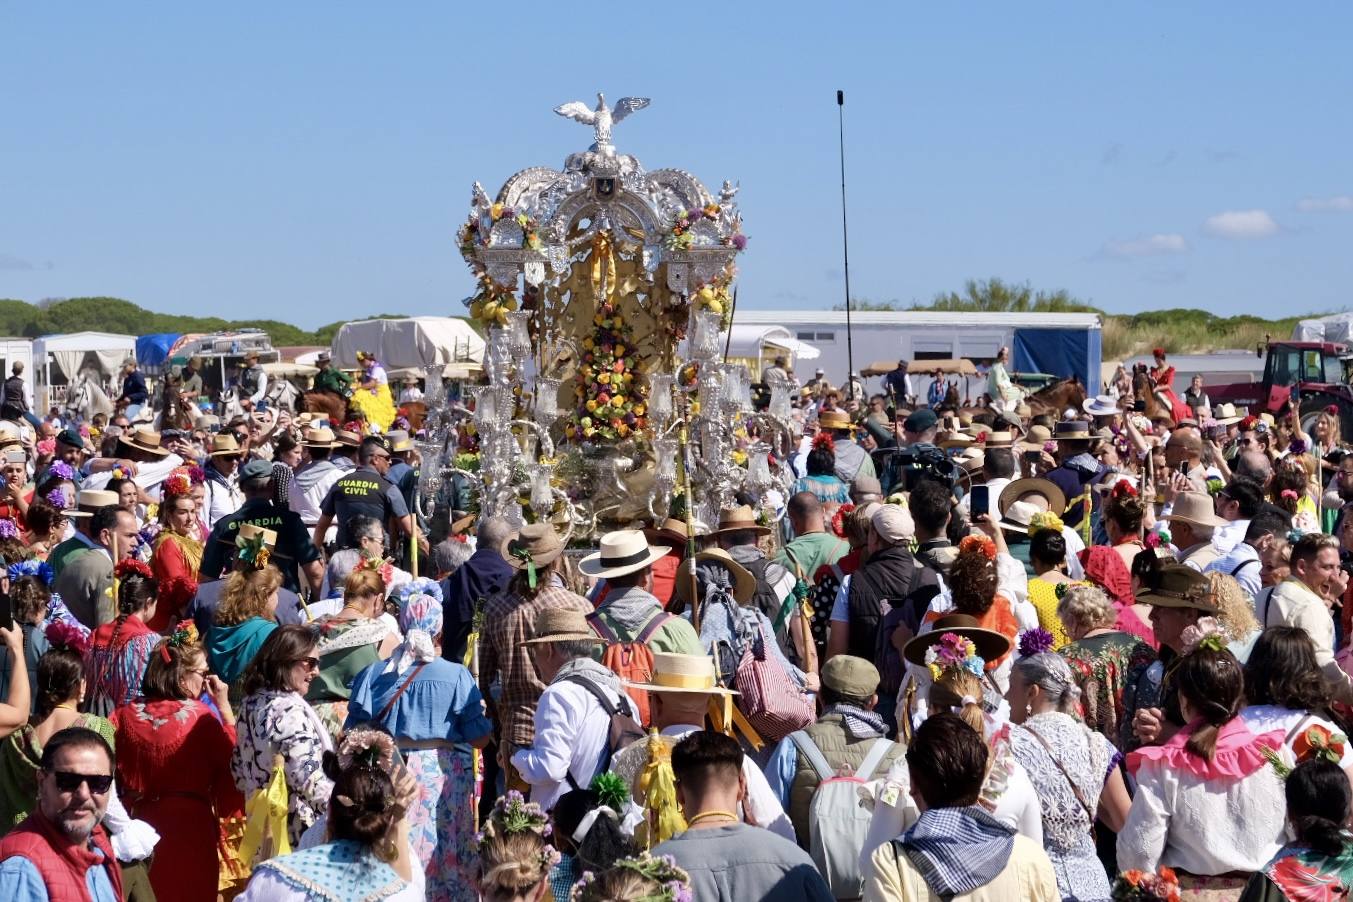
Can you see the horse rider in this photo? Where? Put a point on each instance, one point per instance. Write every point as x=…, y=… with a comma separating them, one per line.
x=1006, y=396
x=134, y=393
x=331, y=380
x=253, y=384
x=190, y=389
x=16, y=400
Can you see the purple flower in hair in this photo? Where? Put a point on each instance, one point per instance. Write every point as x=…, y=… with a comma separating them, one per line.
x=61, y=469
x=1035, y=642
x=9, y=529
x=57, y=498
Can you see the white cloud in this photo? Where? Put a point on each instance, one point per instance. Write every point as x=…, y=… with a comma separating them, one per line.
x=1343, y=203
x=1150, y=246
x=1241, y=224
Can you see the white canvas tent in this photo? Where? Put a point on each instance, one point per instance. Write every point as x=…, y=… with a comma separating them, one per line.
x=59, y=358
x=418, y=341
x=1337, y=328
x=758, y=345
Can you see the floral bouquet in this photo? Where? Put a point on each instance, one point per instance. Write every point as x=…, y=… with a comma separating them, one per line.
x=1142, y=886
x=610, y=397
x=953, y=651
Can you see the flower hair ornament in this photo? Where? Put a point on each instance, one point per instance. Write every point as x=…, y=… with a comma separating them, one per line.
x=1035, y=642
x=1315, y=742
x=184, y=635
x=1044, y=521
x=613, y=794
x=61, y=470
x=378, y=565
x=1206, y=633
x=1122, y=489
x=979, y=544
x=9, y=529
x=838, y=520
x=371, y=749
x=513, y=814
x=57, y=498
x=65, y=635
x=674, y=883
x=32, y=567
x=824, y=440
x=179, y=482
x=132, y=567
x=253, y=551
x=953, y=652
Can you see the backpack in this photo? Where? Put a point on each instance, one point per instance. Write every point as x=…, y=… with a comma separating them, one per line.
x=623, y=731
x=837, y=823
x=631, y=661
x=769, y=697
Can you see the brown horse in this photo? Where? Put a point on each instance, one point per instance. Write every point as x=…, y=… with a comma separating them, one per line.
x=1145, y=390
x=1055, y=397
x=333, y=407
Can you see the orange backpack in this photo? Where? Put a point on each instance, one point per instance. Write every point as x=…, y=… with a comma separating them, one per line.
x=631, y=661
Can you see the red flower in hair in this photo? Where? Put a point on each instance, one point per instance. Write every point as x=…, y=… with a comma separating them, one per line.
x=980, y=544
x=1157, y=352
x=824, y=440
x=1123, y=489
x=132, y=567
x=839, y=519
x=1332, y=410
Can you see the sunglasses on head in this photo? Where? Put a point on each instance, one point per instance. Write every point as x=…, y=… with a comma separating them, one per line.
x=69, y=781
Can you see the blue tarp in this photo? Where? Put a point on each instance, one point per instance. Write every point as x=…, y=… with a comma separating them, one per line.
x=151, y=350
x=1060, y=352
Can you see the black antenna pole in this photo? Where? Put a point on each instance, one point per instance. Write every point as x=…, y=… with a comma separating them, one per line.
x=845, y=241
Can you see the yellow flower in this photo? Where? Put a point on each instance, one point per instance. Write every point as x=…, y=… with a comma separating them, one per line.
x=496, y=211
x=588, y=343
x=591, y=405
x=622, y=430
x=739, y=457
x=618, y=401
x=604, y=378
x=639, y=410
x=617, y=321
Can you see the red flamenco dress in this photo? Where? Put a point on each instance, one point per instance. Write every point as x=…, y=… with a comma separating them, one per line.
x=175, y=563
x=173, y=770
x=1162, y=377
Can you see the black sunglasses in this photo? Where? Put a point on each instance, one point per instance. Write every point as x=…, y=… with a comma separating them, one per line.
x=69, y=781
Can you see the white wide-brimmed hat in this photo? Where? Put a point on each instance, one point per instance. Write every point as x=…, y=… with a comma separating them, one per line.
x=1226, y=414
x=623, y=551
x=682, y=673
x=1101, y=406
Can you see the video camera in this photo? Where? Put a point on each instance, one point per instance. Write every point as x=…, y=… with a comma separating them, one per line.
x=904, y=468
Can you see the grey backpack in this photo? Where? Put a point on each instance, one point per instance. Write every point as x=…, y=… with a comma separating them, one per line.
x=838, y=824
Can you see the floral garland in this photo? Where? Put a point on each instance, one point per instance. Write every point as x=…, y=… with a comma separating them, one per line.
x=65, y=635
x=371, y=749
x=674, y=883
x=609, y=395
x=513, y=814
x=493, y=302
x=953, y=651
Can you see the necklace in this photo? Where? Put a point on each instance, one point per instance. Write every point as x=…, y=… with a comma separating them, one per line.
x=705, y=815
x=66, y=705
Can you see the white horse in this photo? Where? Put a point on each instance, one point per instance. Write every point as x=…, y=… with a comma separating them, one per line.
x=283, y=394
x=86, y=397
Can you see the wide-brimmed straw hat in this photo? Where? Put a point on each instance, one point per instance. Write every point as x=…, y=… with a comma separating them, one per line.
x=1101, y=406
x=399, y=440
x=1180, y=586
x=834, y=419
x=682, y=673
x=1195, y=508
x=143, y=440
x=1035, y=438
x=347, y=438
x=1226, y=414
x=744, y=584
x=536, y=545
x=671, y=529
x=561, y=625
x=1046, y=489
x=321, y=437
x=223, y=444
x=87, y=501
x=1072, y=430
x=990, y=645
x=623, y=551
x=738, y=519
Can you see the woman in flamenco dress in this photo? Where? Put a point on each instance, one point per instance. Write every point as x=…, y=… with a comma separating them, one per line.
x=372, y=395
x=1162, y=377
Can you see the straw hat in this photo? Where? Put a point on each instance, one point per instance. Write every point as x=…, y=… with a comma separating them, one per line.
x=1035, y=438
x=347, y=438
x=535, y=543
x=623, y=551
x=143, y=440
x=1018, y=515
x=682, y=673
x=1226, y=414
x=953, y=440
x=1101, y=406
x=1071, y=430
x=1052, y=498
x=1003, y=439
x=673, y=530
x=223, y=444
x=990, y=645
x=1195, y=508
x=834, y=419
x=89, y=500
x=561, y=625
x=737, y=519
x=744, y=584
x=399, y=440
x=322, y=437
x=1180, y=586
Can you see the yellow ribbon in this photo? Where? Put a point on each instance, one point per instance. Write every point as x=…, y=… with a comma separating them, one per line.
x=603, y=267
x=266, y=818
x=657, y=784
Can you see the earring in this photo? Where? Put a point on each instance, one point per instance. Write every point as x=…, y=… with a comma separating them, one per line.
x=1028, y=709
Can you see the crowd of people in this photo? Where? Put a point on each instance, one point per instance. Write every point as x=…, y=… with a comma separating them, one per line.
x=976, y=654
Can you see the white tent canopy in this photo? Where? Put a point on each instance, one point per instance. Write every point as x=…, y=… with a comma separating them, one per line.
x=753, y=341
x=69, y=353
x=418, y=341
x=1337, y=327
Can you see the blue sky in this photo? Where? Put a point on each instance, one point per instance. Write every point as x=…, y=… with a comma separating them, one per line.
x=311, y=161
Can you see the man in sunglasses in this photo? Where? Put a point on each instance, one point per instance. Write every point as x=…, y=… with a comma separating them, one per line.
x=61, y=850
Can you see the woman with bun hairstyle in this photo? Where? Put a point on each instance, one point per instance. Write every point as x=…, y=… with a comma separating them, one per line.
x=120, y=649
x=1047, y=556
x=1123, y=515
x=1074, y=769
x=1318, y=863
x=640, y=879
x=366, y=857
x=1209, y=803
x=515, y=856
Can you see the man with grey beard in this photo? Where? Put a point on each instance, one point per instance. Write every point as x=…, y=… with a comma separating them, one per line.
x=61, y=850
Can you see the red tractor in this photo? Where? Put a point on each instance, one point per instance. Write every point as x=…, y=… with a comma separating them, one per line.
x=1311, y=373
